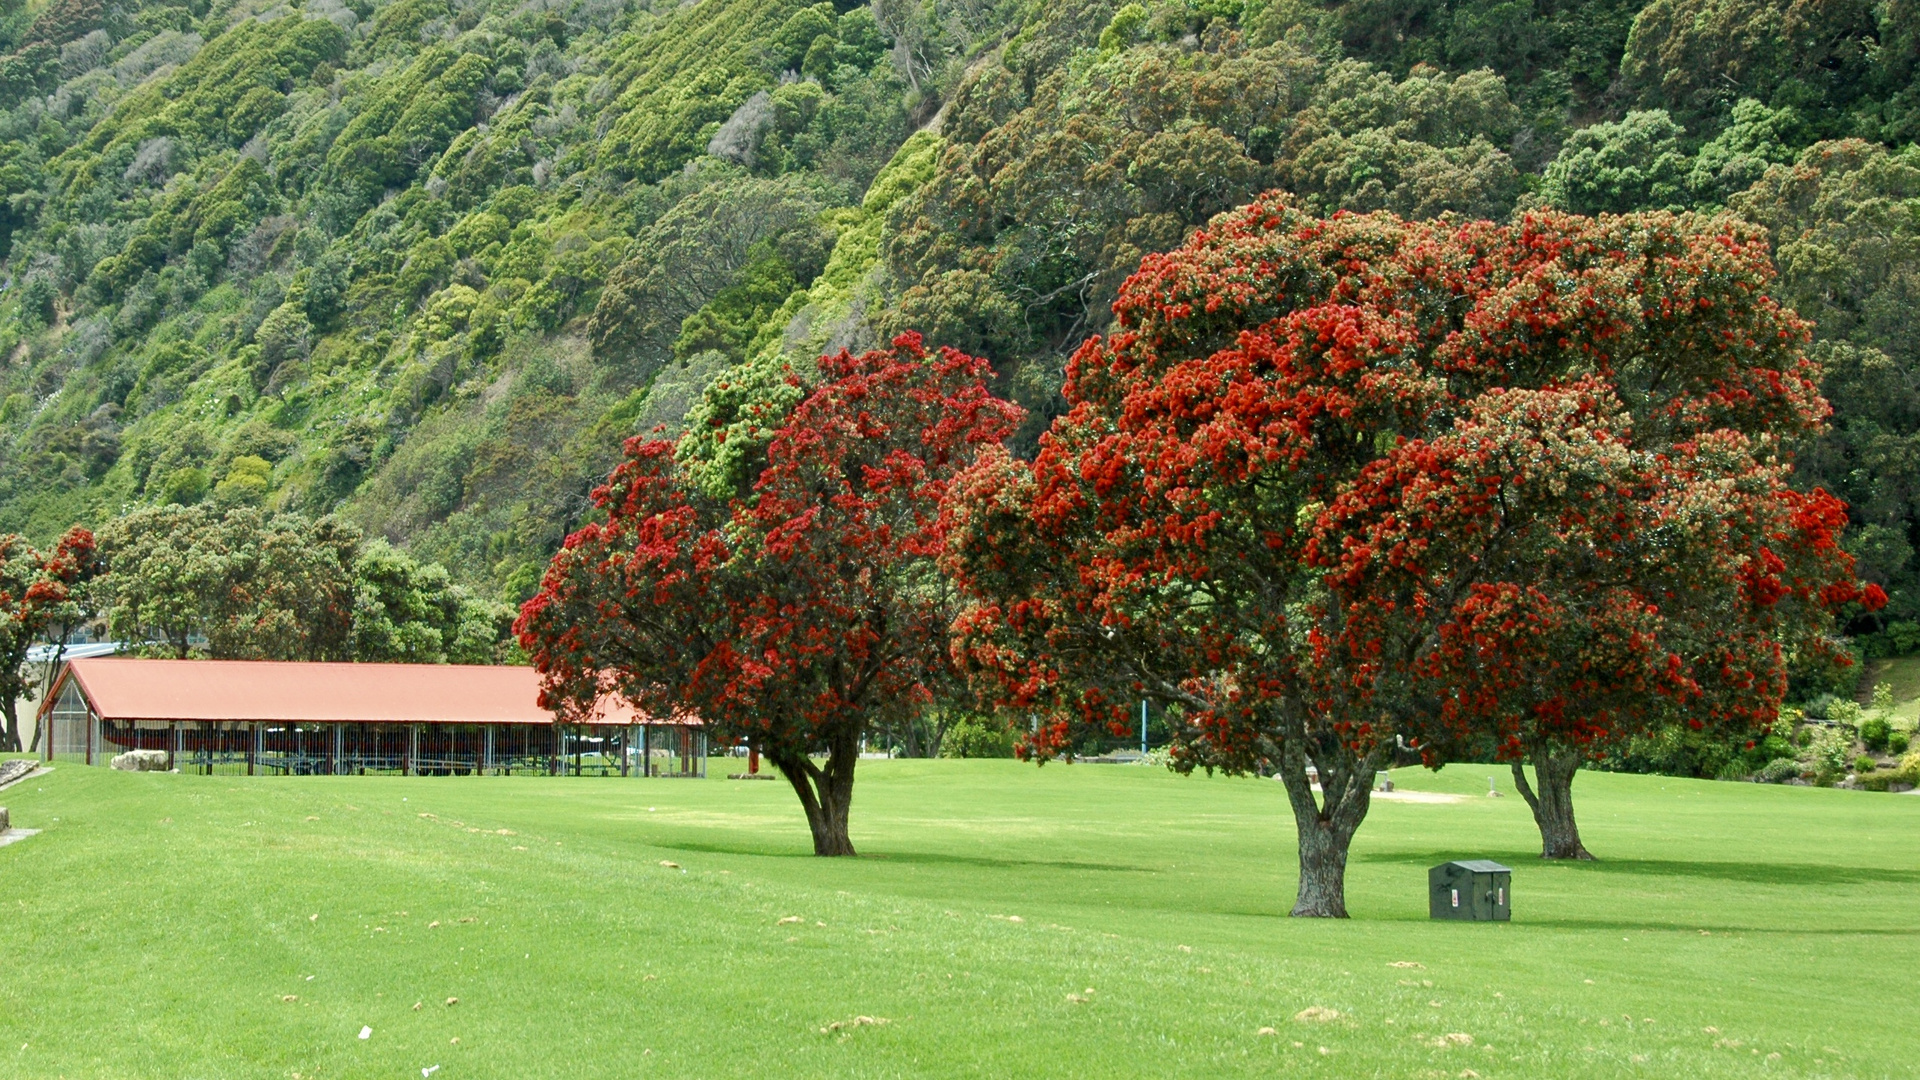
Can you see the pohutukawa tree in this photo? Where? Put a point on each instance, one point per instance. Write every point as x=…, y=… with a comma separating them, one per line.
x=796, y=617
x=1318, y=457
x=38, y=590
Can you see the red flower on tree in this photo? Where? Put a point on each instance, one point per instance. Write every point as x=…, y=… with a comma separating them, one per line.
x=1340, y=485
x=797, y=617
x=40, y=591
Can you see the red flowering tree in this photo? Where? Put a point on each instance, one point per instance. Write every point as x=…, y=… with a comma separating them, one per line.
x=1615, y=590
x=1318, y=456
x=797, y=617
x=39, y=590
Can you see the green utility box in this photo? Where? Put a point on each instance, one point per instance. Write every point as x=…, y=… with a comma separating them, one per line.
x=1472, y=890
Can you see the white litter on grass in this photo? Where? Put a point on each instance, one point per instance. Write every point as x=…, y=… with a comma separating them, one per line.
x=366, y=1033
x=429, y=1070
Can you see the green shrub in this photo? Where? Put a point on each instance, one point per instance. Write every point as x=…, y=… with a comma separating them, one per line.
x=1874, y=732
x=977, y=738
x=184, y=486
x=1882, y=780
x=1897, y=742
x=1863, y=764
x=1778, y=771
x=1827, y=755
x=1734, y=769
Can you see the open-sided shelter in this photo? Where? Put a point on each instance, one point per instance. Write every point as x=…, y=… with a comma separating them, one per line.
x=263, y=717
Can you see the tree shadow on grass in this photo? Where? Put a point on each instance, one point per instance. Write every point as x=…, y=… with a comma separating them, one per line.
x=1759, y=873
x=910, y=858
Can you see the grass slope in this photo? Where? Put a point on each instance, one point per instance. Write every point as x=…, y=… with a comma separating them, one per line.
x=1903, y=674
x=160, y=923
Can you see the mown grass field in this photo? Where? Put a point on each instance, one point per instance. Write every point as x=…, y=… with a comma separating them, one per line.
x=1003, y=921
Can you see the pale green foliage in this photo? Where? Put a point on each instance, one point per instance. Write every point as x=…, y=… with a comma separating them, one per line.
x=1756, y=138
x=1828, y=755
x=1618, y=167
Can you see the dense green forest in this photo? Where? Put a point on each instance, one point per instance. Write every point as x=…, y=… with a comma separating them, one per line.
x=423, y=265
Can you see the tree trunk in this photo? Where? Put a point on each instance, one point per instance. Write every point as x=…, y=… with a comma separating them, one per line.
x=1553, y=804
x=10, y=737
x=825, y=793
x=1326, y=825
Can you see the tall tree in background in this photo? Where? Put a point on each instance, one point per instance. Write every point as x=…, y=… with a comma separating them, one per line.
x=36, y=589
x=283, y=587
x=253, y=586
x=1315, y=450
x=799, y=617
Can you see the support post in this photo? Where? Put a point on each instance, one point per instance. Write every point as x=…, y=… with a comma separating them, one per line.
x=173, y=745
x=413, y=749
x=646, y=750
x=486, y=761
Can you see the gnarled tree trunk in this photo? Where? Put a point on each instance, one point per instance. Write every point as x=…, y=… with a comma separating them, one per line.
x=1326, y=824
x=1553, y=804
x=825, y=793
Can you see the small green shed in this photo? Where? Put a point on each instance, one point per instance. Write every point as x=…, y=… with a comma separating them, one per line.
x=1471, y=890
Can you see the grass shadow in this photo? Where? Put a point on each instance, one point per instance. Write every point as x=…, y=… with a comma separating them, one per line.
x=926, y=858
x=1758, y=873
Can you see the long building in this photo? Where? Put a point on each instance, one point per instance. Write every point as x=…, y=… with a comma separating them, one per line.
x=261, y=717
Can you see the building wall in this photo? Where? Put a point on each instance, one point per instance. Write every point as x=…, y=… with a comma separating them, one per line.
x=24, y=709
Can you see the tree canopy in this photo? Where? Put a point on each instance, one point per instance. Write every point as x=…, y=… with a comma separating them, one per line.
x=1325, y=472
x=800, y=617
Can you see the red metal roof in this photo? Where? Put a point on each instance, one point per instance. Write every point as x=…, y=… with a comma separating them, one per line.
x=275, y=691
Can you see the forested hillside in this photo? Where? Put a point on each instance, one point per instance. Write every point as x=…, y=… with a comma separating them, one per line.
x=425, y=264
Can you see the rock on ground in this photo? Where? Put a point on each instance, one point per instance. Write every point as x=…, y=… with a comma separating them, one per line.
x=141, y=761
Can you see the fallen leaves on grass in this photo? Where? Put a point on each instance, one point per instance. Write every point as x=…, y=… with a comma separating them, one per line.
x=1317, y=1014
x=1450, y=1039
x=856, y=1022
x=669, y=864
x=433, y=924
x=1406, y=964
x=289, y=997
x=453, y=1001
x=789, y=920
x=1267, y=1031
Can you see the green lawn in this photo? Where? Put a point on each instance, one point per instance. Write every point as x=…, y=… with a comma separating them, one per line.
x=1003, y=921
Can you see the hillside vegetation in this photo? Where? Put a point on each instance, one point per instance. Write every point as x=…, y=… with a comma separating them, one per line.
x=425, y=264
